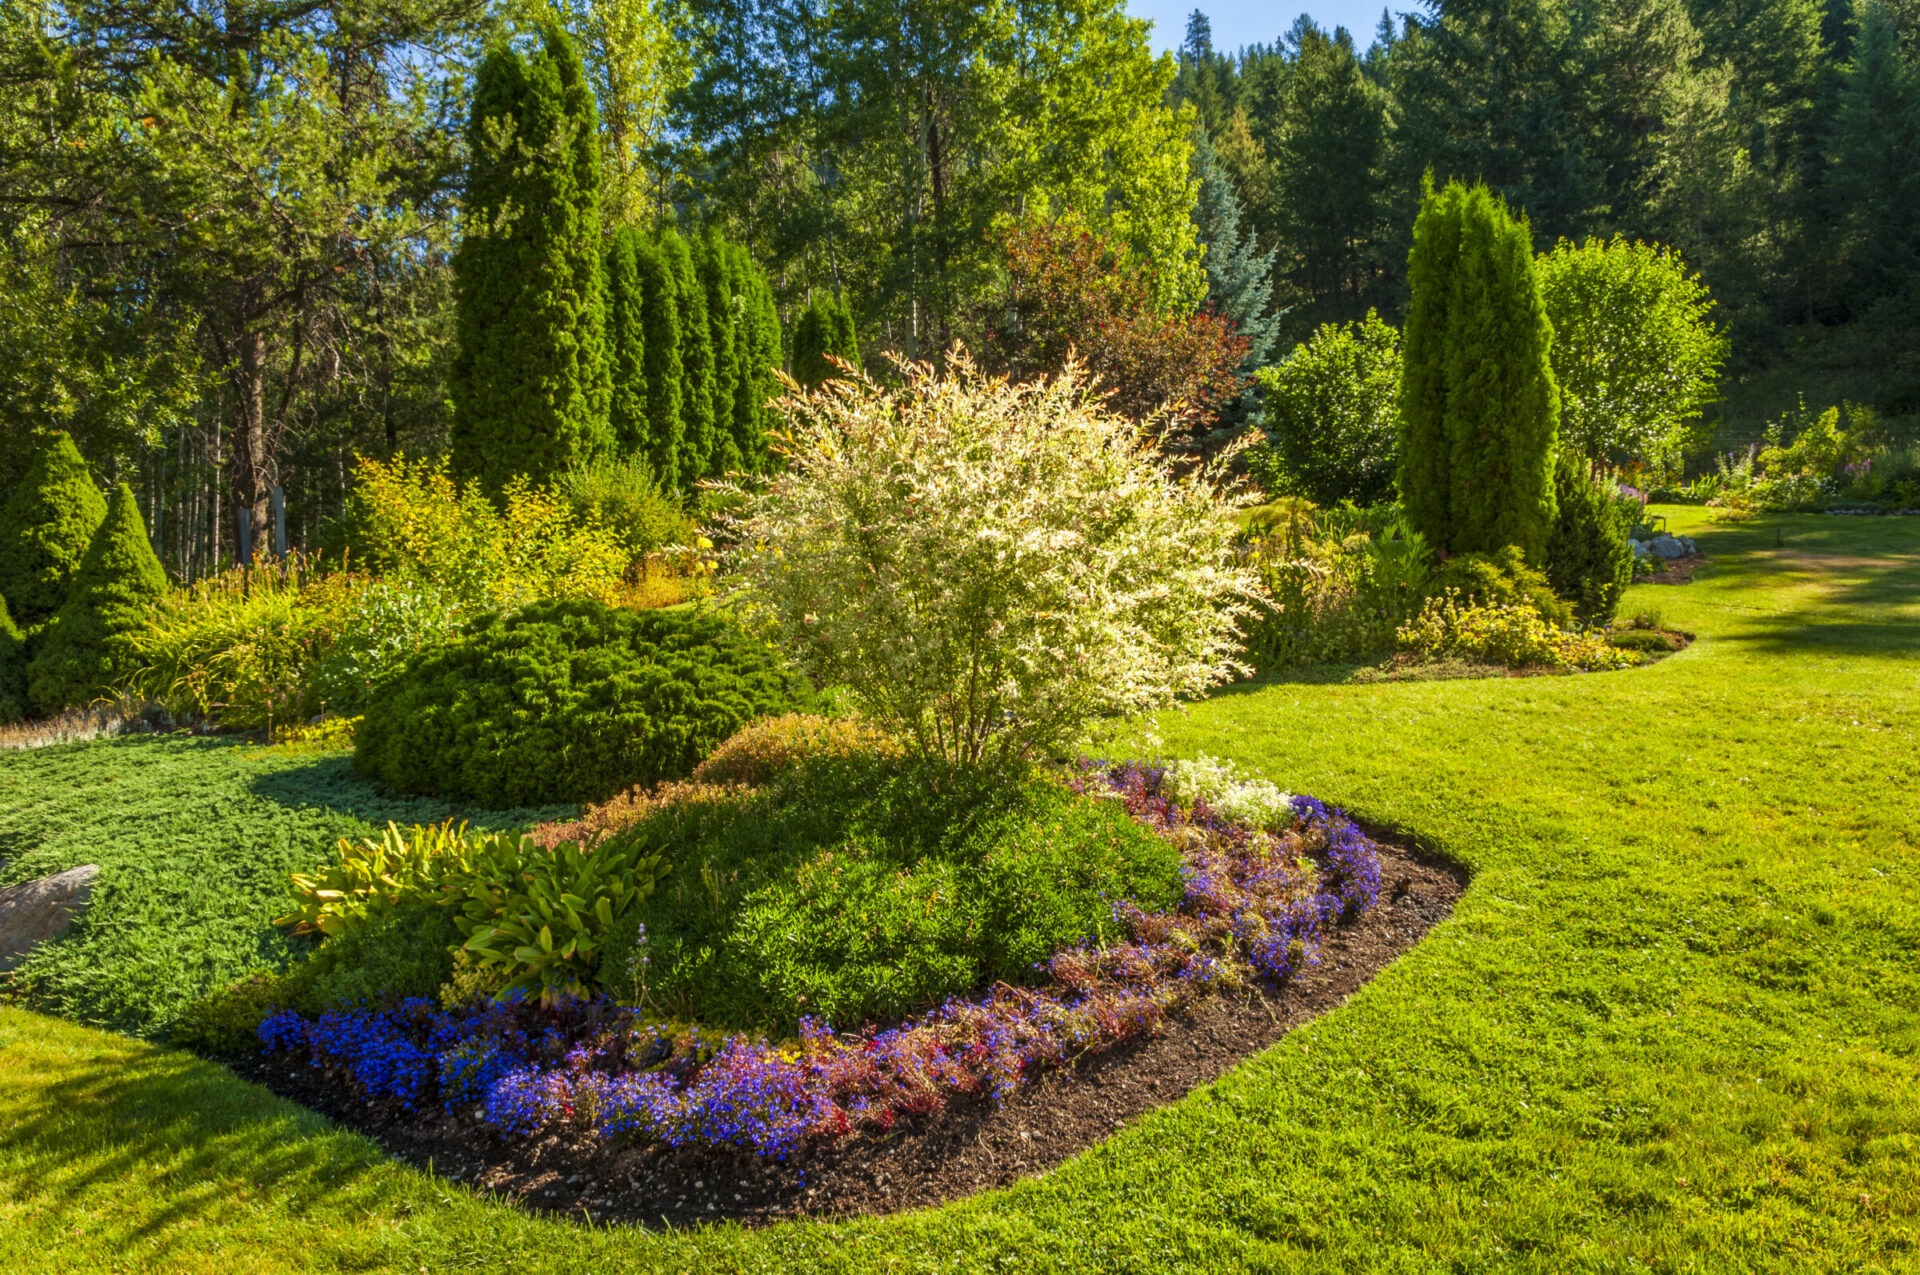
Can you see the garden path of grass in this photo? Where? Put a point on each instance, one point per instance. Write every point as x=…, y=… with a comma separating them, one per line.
x=1674, y=1024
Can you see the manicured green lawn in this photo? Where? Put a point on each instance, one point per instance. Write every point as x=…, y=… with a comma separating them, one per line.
x=194, y=838
x=1673, y=1025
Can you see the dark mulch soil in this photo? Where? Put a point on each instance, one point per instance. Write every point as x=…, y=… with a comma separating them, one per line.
x=1676, y=571
x=923, y=1160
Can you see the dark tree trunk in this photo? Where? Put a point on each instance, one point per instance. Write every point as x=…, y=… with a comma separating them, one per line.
x=248, y=460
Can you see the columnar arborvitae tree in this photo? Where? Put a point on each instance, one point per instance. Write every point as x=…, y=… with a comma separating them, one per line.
x=825, y=328
x=530, y=381
x=84, y=653
x=46, y=528
x=716, y=282
x=762, y=357
x=626, y=345
x=1479, y=407
x=696, y=359
x=660, y=316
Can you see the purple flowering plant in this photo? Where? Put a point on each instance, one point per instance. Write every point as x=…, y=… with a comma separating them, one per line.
x=1256, y=904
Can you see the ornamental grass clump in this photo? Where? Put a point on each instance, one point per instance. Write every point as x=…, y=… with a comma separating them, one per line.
x=988, y=567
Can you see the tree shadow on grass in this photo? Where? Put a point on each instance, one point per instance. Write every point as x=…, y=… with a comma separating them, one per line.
x=1861, y=576
x=328, y=782
x=190, y=1129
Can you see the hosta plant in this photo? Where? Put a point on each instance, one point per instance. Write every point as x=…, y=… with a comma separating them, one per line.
x=538, y=915
x=372, y=875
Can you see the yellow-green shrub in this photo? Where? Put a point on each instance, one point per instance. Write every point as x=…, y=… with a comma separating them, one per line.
x=408, y=521
x=759, y=751
x=1513, y=634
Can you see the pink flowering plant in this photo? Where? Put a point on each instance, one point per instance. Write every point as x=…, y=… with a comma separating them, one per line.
x=1260, y=895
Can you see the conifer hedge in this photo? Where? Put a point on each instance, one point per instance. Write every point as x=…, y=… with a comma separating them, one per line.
x=1479, y=408
x=45, y=529
x=666, y=372
x=530, y=379
x=83, y=652
x=626, y=344
x=824, y=328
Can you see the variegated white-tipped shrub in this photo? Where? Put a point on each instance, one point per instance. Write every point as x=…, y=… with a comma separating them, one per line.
x=989, y=567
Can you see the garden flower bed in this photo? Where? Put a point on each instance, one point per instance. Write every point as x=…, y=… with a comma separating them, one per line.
x=637, y=1110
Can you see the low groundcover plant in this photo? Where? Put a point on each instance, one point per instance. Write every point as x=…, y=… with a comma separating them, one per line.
x=1256, y=904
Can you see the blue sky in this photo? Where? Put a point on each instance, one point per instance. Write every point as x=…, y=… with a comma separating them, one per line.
x=1238, y=22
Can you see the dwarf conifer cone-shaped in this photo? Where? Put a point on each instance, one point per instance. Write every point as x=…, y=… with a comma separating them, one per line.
x=45, y=529
x=84, y=652
x=825, y=328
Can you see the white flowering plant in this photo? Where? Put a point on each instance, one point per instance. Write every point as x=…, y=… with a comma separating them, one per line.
x=989, y=567
x=1229, y=792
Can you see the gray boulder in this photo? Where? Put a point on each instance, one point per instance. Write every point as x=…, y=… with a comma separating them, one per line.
x=35, y=911
x=1665, y=546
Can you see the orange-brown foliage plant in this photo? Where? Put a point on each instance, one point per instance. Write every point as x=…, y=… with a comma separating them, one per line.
x=1074, y=292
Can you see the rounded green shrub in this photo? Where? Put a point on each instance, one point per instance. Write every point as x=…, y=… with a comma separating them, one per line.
x=1589, y=561
x=85, y=651
x=569, y=701
x=868, y=887
x=45, y=530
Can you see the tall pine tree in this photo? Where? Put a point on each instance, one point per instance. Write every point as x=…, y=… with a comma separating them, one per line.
x=696, y=359
x=1479, y=407
x=1875, y=183
x=626, y=345
x=530, y=380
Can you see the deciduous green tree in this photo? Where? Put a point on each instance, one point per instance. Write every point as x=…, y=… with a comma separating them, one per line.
x=1330, y=412
x=1636, y=353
